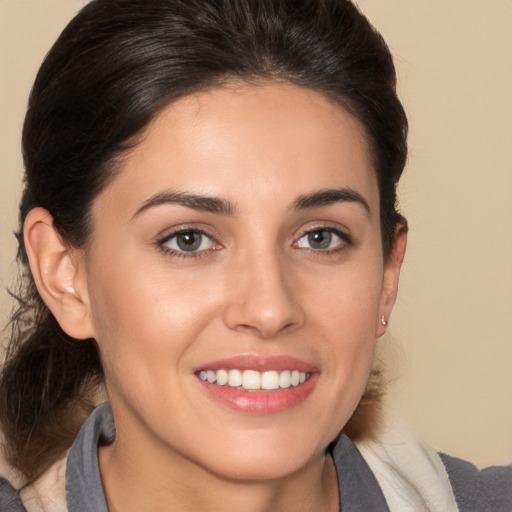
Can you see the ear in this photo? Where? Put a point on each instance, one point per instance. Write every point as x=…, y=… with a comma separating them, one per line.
x=392, y=268
x=55, y=268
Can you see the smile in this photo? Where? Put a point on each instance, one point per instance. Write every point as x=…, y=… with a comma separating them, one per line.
x=252, y=380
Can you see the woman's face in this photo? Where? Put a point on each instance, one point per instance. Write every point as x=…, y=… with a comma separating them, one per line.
x=240, y=242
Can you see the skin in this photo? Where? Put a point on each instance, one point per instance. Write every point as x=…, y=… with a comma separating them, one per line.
x=256, y=287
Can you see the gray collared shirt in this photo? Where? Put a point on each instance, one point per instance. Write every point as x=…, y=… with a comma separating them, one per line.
x=359, y=490
x=488, y=490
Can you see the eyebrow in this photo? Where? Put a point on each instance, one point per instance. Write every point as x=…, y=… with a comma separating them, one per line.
x=224, y=207
x=330, y=196
x=193, y=201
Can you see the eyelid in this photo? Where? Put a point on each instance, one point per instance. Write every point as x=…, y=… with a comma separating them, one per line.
x=320, y=226
x=346, y=238
x=186, y=227
x=162, y=240
x=182, y=229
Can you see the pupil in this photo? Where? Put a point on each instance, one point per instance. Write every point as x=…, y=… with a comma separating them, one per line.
x=188, y=241
x=320, y=239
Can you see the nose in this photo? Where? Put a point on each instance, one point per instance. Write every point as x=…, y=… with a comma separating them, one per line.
x=262, y=299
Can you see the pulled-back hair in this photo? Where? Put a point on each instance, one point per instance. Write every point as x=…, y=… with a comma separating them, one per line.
x=114, y=67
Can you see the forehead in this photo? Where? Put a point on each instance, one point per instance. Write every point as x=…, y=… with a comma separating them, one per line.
x=272, y=139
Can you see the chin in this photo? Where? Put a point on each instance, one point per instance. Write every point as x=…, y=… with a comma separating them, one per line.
x=263, y=468
x=260, y=458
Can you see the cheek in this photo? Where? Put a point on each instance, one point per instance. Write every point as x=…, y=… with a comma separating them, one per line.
x=346, y=299
x=344, y=312
x=145, y=321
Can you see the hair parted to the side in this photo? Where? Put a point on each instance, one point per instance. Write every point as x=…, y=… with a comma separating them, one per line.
x=115, y=66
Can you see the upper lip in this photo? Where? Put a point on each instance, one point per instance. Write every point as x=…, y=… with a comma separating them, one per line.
x=259, y=363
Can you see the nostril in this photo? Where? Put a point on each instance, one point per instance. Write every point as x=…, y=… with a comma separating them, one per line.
x=261, y=296
x=262, y=320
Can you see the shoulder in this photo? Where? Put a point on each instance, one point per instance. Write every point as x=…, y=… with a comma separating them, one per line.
x=9, y=498
x=74, y=478
x=479, y=490
x=410, y=473
x=48, y=492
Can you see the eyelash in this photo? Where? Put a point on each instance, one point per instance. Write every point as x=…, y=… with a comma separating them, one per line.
x=185, y=254
x=345, y=241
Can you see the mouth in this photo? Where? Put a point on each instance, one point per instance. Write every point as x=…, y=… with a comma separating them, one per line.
x=258, y=385
x=253, y=380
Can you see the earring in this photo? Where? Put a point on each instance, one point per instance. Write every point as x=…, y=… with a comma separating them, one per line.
x=384, y=322
x=72, y=291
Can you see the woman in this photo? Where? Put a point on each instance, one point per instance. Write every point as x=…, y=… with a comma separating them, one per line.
x=210, y=225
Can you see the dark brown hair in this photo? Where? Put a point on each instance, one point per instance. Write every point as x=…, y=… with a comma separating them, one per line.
x=115, y=66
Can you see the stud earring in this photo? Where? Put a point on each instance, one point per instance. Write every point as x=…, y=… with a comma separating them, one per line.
x=71, y=290
x=384, y=322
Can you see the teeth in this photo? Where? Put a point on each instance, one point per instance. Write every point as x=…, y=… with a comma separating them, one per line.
x=222, y=377
x=251, y=379
x=270, y=380
x=285, y=379
x=254, y=380
x=234, y=378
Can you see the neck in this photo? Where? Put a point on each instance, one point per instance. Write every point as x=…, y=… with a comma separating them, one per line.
x=153, y=481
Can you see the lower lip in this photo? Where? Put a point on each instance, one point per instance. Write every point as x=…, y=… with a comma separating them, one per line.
x=260, y=402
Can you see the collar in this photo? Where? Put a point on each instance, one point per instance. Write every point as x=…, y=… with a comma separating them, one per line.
x=359, y=490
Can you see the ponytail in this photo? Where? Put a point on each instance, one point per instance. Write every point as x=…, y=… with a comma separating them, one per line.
x=48, y=384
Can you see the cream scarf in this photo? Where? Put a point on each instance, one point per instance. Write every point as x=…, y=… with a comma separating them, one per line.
x=410, y=472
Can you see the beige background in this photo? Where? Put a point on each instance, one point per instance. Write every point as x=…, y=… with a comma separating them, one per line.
x=449, y=349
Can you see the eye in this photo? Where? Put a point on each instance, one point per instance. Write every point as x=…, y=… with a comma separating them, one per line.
x=190, y=240
x=322, y=240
